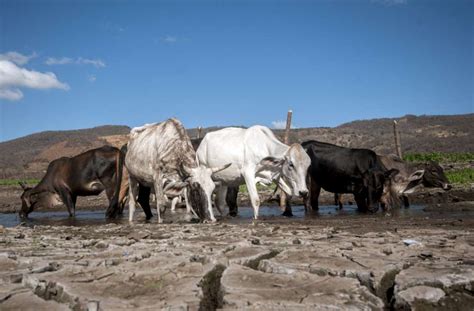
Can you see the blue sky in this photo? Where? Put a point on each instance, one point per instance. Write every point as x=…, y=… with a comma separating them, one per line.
x=231, y=62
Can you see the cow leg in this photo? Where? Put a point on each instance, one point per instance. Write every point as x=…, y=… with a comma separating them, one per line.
x=253, y=193
x=406, y=203
x=144, y=200
x=174, y=201
x=287, y=212
x=231, y=200
x=361, y=202
x=132, y=197
x=221, y=193
x=68, y=201
x=160, y=198
x=315, y=190
x=338, y=200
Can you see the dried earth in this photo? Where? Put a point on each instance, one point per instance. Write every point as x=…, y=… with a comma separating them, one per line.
x=358, y=262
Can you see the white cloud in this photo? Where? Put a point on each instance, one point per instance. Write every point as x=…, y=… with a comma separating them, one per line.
x=58, y=61
x=17, y=58
x=98, y=63
x=390, y=2
x=13, y=77
x=281, y=125
x=170, y=39
x=11, y=94
x=91, y=78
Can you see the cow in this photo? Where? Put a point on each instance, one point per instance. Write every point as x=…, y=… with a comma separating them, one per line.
x=345, y=170
x=256, y=155
x=160, y=156
x=66, y=178
x=411, y=177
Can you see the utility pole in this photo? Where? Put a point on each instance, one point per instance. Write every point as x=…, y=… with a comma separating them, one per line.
x=199, y=131
x=284, y=206
x=396, y=134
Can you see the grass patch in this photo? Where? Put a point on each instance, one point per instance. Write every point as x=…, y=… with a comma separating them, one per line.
x=439, y=157
x=14, y=182
x=462, y=176
x=243, y=188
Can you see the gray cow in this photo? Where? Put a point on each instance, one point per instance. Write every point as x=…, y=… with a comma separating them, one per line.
x=160, y=156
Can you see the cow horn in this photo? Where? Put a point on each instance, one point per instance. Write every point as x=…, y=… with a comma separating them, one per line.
x=23, y=185
x=220, y=168
x=186, y=171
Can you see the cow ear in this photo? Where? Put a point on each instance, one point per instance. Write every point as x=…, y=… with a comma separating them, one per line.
x=272, y=161
x=220, y=168
x=174, y=188
x=391, y=173
x=417, y=175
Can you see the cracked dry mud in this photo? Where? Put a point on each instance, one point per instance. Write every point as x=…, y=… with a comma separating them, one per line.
x=269, y=265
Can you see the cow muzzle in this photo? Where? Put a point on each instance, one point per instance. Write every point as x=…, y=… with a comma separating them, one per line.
x=303, y=193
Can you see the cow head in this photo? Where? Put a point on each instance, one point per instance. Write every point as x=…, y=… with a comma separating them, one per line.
x=26, y=205
x=434, y=176
x=32, y=198
x=200, y=187
x=377, y=186
x=290, y=170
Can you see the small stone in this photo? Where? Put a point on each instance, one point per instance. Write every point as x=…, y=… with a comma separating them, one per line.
x=296, y=241
x=255, y=241
x=425, y=255
x=137, y=236
x=411, y=296
x=387, y=250
x=101, y=245
x=111, y=262
x=20, y=235
x=93, y=306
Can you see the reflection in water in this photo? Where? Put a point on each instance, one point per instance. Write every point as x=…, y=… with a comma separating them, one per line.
x=83, y=218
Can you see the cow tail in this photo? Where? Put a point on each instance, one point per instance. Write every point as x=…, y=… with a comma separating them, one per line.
x=114, y=207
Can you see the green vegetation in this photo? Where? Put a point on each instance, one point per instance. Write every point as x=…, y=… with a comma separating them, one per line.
x=12, y=182
x=462, y=176
x=439, y=157
x=243, y=188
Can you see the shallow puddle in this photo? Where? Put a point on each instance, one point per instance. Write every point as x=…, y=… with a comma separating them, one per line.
x=97, y=217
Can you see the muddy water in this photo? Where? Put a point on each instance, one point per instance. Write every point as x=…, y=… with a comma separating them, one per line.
x=267, y=213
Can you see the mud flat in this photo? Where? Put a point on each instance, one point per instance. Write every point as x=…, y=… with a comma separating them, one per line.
x=422, y=261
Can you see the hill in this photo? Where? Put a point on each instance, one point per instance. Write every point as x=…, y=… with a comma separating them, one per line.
x=28, y=157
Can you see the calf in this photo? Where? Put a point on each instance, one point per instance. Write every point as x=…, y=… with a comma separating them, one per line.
x=86, y=174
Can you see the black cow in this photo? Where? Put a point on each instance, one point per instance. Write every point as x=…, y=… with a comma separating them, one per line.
x=345, y=170
x=86, y=174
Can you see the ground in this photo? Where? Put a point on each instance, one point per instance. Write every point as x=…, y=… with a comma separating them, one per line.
x=419, y=258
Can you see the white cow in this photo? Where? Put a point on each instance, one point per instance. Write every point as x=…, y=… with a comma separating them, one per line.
x=256, y=156
x=161, y=156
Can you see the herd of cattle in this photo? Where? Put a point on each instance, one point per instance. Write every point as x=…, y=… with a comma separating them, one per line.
x=160, y=158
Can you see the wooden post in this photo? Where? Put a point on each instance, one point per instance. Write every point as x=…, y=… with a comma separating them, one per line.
x=396, y=134
x=199, y=131
x=283, y=200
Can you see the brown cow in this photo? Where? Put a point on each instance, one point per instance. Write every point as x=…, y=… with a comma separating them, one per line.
x=86, y=174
